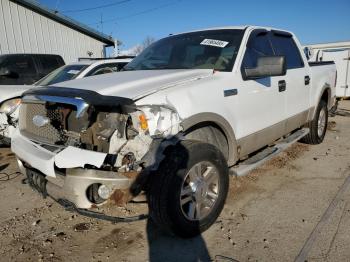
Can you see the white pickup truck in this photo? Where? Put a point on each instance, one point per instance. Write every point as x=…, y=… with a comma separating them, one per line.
x=172, y=123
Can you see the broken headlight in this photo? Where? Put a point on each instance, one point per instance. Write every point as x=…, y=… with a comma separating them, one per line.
x=159, y=120
x=10, y=106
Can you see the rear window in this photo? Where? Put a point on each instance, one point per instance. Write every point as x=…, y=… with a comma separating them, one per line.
x=49, y=63
x=20, y=64
x=284, y=45
x=61, y=74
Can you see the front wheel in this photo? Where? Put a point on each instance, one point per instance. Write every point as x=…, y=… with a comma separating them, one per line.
x=318, y=126
x=189, y=190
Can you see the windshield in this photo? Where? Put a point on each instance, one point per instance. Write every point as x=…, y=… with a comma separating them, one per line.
x=212, y=49
x=61, y=74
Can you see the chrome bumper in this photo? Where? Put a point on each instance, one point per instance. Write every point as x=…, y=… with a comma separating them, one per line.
x=74, y=184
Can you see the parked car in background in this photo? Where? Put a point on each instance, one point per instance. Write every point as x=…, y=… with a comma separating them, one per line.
x=172, y=122
x=84, y=68
x=10, y=94
x=26, y=69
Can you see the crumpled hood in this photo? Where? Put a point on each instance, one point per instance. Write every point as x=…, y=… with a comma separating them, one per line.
x=136, y=84
x=11, y=91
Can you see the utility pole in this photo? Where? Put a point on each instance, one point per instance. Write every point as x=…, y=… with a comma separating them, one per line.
x=101, y=23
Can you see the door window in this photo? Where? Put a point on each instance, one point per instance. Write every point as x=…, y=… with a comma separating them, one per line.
x=258, y=45
x=285, y=45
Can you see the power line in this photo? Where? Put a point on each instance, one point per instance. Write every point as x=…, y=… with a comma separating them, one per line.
x=139, y=13
x=96, y=7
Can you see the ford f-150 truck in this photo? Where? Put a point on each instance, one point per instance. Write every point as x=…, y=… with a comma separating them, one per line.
x=172, y=123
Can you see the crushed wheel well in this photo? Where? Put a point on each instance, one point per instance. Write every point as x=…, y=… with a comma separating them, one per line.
x=211, y=133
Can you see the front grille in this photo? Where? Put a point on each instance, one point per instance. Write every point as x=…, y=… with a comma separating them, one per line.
x=47, y=133
x=56, y=125
x=54, y=132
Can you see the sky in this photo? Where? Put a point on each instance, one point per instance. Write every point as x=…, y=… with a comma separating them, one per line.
x=131, y=21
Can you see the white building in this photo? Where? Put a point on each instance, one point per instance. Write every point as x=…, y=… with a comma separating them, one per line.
x=28, y=27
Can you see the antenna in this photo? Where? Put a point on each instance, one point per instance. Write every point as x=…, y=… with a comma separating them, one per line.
x=101, y=22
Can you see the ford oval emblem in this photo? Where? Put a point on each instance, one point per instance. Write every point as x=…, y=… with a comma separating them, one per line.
x=40, y=121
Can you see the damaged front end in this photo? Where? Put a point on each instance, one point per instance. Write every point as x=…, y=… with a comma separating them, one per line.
x=90, y=149
x=9, y=111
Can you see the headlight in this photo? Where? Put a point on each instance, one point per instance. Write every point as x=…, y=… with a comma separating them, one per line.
x=9, y=106
x=158, y=120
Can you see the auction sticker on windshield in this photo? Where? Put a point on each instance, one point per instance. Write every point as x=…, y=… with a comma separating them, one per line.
x=73, y=72
x=213, y=42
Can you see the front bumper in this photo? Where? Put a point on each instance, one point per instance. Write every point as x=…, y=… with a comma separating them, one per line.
x=74, y=184
x=45, y=161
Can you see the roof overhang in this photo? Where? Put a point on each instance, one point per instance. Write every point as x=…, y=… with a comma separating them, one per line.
x=69, y=22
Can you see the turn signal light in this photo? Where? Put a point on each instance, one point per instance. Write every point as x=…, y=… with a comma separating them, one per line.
x=143, y=122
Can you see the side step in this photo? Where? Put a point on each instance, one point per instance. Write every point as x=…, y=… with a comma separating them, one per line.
x=260, y=158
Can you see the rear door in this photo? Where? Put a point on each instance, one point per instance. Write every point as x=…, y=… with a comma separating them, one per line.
x=297, y=80
x=342, y=59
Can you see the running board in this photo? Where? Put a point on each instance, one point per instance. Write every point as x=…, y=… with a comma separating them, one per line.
x=260, y=158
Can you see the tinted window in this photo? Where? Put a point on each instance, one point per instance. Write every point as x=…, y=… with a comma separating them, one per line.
x=212, y=49
x=284, y=45
x=61, y=74
x=49, y=63
x=22, y=65
x=258, y=45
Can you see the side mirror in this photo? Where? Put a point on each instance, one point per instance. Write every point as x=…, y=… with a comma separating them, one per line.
x=5, y=72
x=266, y=66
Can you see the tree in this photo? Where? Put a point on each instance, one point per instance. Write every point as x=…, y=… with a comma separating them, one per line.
x=137, y=49
x=148, y=41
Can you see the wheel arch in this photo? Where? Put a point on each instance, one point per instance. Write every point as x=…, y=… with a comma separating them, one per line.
x=326, y=95
x=206, y=119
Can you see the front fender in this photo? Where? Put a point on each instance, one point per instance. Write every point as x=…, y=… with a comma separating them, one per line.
x=224, y=125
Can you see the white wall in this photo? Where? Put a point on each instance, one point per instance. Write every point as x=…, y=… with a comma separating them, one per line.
x=25, y=31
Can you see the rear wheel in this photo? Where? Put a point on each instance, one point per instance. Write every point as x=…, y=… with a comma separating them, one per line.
x=318, y=126
x=189, y=190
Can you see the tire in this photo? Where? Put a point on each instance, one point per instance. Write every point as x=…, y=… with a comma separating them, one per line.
x=4, y=141
x=173, y=184
x=316, y=136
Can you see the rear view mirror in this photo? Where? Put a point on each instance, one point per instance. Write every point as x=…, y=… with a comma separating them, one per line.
x=5, y=72
x=266, y=66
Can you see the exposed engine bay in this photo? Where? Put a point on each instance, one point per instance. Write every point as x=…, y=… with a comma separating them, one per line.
x=123, y=131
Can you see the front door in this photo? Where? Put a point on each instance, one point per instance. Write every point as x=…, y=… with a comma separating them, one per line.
x=261, y=102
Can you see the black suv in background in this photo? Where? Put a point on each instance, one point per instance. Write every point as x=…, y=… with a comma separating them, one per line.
x=26, y=69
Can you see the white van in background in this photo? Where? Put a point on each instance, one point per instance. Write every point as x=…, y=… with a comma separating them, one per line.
x=339, y=52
